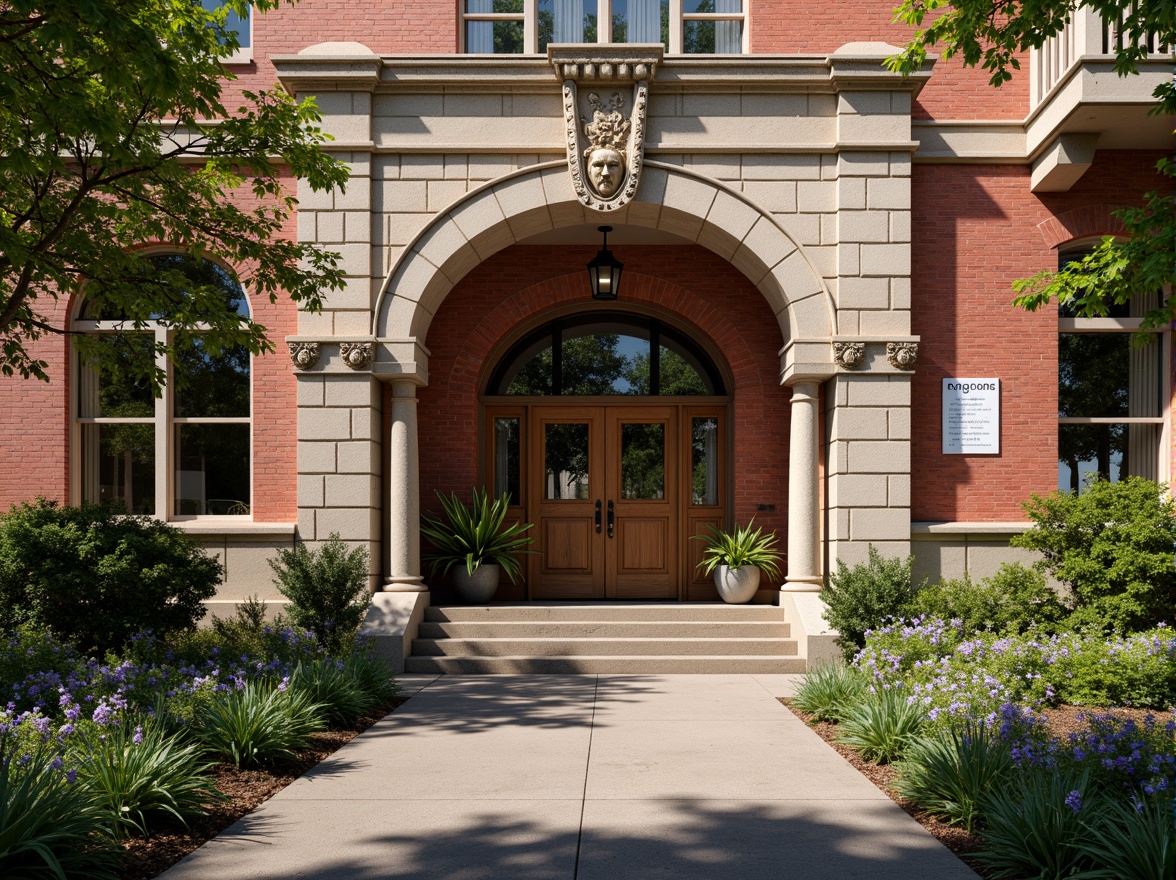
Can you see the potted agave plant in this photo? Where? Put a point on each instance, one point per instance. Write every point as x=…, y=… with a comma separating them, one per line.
x=737, y=558
x=477, y=540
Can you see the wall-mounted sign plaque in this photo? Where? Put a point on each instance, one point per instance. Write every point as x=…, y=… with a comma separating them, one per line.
x=971, y=416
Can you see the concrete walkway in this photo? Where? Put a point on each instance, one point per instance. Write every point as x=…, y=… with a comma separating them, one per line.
x=581, y=777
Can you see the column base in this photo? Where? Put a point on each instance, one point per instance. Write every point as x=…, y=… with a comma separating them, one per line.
x=406, y=583
x=802, y=584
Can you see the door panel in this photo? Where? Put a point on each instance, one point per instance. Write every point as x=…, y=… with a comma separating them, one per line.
x=568, y=468
x=640, y=470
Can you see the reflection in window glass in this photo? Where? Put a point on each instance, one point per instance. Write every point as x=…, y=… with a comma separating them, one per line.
x=1102, y=374
x=210, y=386
x=506, y=458
x=212, y=470
x=643, y=461
x=566, y=21
x=565, y=457
x=679, y=375
x=641, y=21
x=122, y=391
x=604, y=363
x=704, y=464
x=118, y=464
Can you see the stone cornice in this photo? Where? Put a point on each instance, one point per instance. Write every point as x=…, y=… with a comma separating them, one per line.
x=531, y=73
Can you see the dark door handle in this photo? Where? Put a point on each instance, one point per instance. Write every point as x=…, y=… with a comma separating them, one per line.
x=598, y=516
x=611, y=517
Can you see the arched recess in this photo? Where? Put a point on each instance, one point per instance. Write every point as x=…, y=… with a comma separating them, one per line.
x=540, y=198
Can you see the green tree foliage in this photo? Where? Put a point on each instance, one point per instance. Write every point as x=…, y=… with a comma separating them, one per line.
x=327, y=589
x=113, y=132
x=859, y=599
x=991, y=33
x=1112, y=546
x=97, y=577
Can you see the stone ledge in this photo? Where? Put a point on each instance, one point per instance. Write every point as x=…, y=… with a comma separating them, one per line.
x=930, y=529
x=210, y=528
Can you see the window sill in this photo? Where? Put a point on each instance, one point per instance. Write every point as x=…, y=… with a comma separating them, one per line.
x=235, y=528
x=241, y=56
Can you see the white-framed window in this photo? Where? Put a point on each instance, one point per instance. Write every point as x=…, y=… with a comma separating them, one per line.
x=242, y=27
x=185, y=454
x=504, y=27
x=1113, y=395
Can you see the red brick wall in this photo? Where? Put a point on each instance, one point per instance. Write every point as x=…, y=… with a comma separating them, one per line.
x=688, y=282
x=975, y=230
x=34, y=428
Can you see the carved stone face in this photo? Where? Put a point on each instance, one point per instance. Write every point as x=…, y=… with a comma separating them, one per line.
x=605, y=170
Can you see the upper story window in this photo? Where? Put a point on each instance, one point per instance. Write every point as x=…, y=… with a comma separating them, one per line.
x=241, y=26
x=1112, y=395
x=186, y=453
x=528, y=26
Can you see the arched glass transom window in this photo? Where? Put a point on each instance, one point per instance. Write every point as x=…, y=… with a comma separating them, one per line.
x=185, y=453
x=605, y=353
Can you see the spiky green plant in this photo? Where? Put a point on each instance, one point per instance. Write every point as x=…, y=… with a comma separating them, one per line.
x=373, y=676
x=258, y=724
x=882, y=725
x=327, y=683
x=50, y=826
x=948, y=772
x=829, y=690
x=1133, y=844
x=740, y=547
x=476, y=534
x=143, y=773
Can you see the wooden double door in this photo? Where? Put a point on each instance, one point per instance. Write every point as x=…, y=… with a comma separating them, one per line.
x=614, y=492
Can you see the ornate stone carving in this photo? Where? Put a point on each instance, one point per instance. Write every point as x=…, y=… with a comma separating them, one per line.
x=605, y=140
x=902, y=355
x=357, y=355
x=850, y=355
x=304, y=354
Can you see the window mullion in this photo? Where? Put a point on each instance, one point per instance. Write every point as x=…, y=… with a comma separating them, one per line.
x=675, y=27
x=530, y=26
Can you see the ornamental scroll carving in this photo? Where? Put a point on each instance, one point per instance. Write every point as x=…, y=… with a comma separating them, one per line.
x=304, y=354
x=850, y=355
x=357, y=355
x=902, y=355
x=604, y=101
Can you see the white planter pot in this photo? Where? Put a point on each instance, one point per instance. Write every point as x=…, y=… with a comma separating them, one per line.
x=477, y=588
x=736, y=586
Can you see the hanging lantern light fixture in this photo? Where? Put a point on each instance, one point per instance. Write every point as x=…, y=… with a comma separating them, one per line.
x=604, y=272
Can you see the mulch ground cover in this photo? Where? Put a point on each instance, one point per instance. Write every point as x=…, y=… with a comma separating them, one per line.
x=244, y=791
x=1061, y=721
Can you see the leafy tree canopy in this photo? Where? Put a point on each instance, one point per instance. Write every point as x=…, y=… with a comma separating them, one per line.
x=113, y=134
x=991, y=33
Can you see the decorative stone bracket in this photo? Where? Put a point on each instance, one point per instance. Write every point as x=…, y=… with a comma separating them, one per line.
x=605, y=142
x=357, y=355
x=850, y=355
x=304, y=354
x=902, y=355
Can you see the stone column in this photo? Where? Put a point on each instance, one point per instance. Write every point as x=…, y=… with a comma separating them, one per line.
x=804, y=569
x=404, y=496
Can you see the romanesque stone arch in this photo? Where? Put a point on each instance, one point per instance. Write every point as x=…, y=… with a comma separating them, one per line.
x=541, y=198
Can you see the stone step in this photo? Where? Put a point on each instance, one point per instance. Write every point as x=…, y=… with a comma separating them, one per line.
x=589, y=664
x=634, y=612
x=612, y=629
x=601, y=647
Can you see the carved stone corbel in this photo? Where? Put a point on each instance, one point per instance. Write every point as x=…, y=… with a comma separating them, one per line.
x=902, y=355
x=304, y=354
x=357, y=355
x=605, y=141
x=850, y=355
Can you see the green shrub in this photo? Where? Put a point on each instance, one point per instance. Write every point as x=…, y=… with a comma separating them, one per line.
x=1137, y=670
x=1034, y=826
x=327, y=589
x=50, y=826
x=861, y=598
x=326, y=683
x=1112, y=546
x=948, y=772
x=1130, y=844
x=96, y=576
x=144, y=774
x=31, y=649
x=258, y=724
x=373, y=676
x=829, y=690
x=1010, y=602
x=882, y=725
